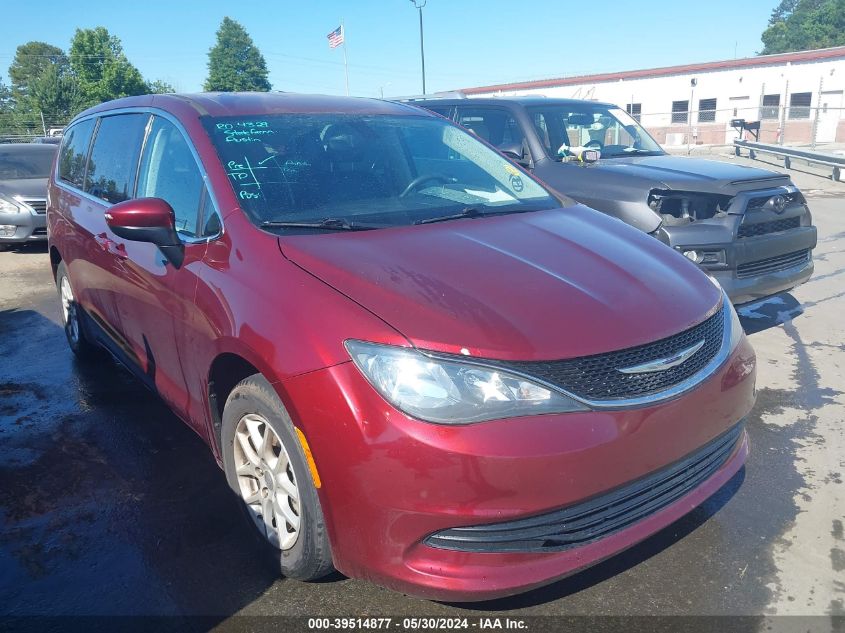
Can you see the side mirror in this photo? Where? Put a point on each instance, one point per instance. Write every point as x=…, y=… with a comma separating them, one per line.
x=515, y=152
x=148, y=220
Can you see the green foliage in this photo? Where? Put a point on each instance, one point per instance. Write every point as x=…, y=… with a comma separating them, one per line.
x=5, y=97
x=45, y=81
x=55, y=92
x=101, y=69
x=798, y=25
x=31, y=61
x=235, y=63
x=159, y=87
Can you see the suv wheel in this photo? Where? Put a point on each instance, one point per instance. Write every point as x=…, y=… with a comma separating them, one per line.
x=71, y=318
x=266, y=467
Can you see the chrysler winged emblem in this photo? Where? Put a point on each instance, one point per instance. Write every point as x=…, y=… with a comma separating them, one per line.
x=662, y=364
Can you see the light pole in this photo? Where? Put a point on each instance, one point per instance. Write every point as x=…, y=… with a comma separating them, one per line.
x=419, y=4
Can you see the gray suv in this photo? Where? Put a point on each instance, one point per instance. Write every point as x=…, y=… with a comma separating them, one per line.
x=749, y=228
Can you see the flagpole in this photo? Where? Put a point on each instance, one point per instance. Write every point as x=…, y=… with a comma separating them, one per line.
x=345, y=62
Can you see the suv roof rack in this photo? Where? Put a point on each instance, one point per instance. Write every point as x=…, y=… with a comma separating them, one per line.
x=452, y=94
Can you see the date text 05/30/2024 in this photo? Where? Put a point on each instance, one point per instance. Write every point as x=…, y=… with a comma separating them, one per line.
x=415, y=624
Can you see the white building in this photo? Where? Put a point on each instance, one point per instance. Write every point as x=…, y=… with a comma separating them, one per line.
x=797, y=97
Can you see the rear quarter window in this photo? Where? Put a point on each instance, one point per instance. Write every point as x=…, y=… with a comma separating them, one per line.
x=73, y=154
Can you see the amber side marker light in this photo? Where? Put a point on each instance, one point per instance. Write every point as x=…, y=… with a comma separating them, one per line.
x=308, y=457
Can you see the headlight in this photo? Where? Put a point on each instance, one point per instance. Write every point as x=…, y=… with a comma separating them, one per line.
x=452, y=392
x=7, y=206
x=734, y=324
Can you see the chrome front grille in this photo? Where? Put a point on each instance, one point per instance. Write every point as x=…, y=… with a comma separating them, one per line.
x=39, y=205
x=599, y=378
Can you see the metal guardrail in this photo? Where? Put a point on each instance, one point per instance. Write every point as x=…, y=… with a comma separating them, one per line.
x=837, y=163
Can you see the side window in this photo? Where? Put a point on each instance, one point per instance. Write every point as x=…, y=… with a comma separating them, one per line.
x=441, y=110
x=209, y=218
x=114, y=157
x=542, y=130
x=169, y=171
x=494, y=125
x=74, y=153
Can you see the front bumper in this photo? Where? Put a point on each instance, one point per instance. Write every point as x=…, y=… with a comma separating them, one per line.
x=754, y=267
x=389, y=482
x=28, y=227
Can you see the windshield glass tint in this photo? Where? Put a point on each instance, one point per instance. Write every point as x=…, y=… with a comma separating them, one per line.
x=25, y=162
x=368, y=170
x=607, y=128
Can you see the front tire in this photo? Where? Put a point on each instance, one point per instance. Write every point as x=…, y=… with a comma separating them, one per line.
x=266, y=468
x=71, y=313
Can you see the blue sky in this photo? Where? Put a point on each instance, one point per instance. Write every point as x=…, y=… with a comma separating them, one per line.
x=468, y=42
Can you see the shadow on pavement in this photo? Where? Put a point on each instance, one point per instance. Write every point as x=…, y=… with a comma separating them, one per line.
x=28, y=248
x=768, y=313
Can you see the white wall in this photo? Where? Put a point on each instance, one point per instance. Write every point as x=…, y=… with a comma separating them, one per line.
x=734, y=89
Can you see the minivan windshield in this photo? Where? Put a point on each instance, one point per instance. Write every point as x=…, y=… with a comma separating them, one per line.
x=335, y=171
x=611, y=130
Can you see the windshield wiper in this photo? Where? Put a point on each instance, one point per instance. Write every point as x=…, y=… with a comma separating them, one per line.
x=467, y=212
x=326, y=224
x=632, y=151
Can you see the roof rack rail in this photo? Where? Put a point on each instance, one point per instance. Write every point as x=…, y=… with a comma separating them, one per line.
x=452, y=94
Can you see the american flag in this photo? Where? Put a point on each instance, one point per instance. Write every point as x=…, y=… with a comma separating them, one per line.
x=336, y=37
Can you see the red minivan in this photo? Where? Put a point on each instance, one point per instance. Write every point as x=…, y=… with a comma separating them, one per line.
x=413, y=362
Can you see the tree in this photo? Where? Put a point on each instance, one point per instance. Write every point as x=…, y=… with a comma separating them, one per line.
x=5, y=98
x=101, y=68
x=159, y=87
x=798, y=25
x=234, y=62
x=55, y=94
x=31, y=61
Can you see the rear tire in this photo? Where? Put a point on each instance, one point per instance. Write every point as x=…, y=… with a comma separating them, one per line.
x=266, y=467
x=71, y=312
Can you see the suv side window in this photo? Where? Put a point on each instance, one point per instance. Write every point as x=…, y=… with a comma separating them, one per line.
x=114, y=157
x=542, y=129
x=169, y=171
x=441, y=110
x=494, y=125
x=74, y=153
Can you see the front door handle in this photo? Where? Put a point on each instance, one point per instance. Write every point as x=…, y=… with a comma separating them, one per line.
x=118, y=250
x=110, y=246
x=102, y=240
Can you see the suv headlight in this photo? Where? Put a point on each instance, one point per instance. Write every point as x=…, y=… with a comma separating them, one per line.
x=9, y=206
x=452, y=392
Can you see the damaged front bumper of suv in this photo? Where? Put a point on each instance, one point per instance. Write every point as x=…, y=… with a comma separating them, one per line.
x=755, y=243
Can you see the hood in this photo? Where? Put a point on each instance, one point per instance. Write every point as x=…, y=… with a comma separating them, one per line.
x=688, y=174
x=24, y=187
x=547, y=285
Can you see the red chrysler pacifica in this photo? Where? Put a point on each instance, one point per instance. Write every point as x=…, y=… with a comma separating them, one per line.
x=414, y=363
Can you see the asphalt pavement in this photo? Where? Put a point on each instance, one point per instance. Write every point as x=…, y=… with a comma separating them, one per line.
x=110, y=506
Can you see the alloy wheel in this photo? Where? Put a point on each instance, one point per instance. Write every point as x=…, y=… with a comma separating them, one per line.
x=266, y=481
x=69, y=313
